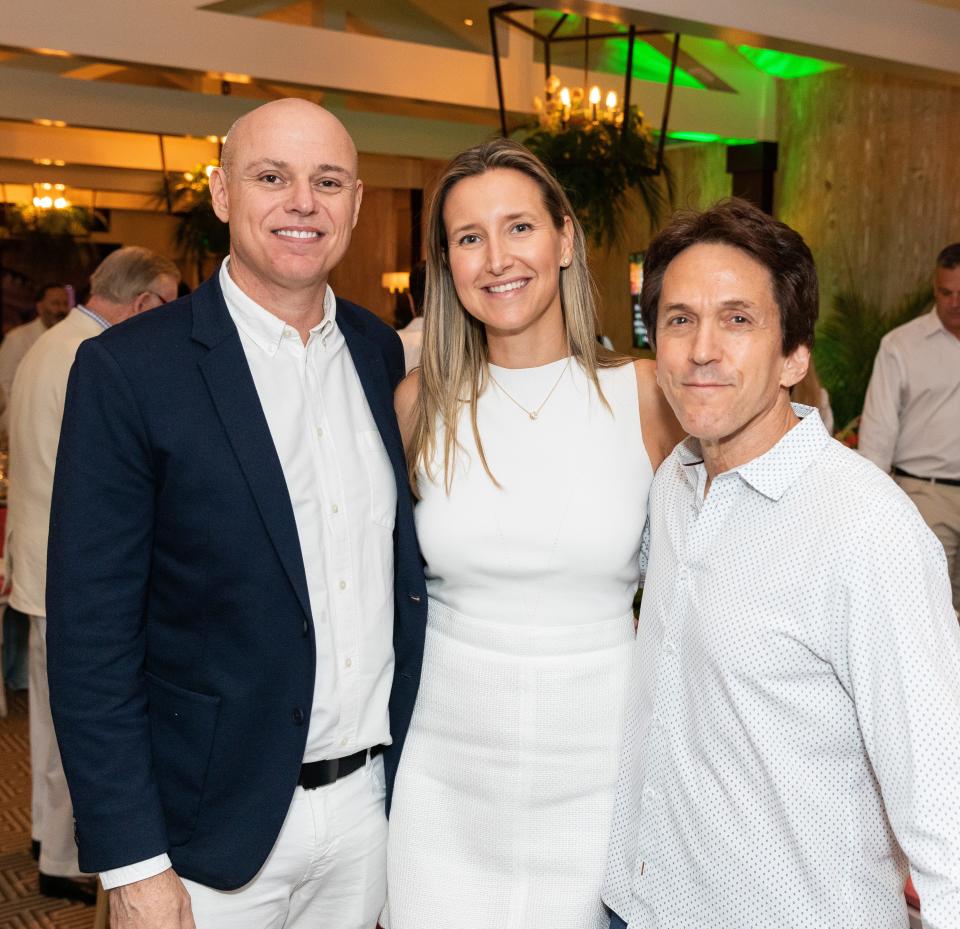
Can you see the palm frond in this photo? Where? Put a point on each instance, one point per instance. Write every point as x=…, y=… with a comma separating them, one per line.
x=848, y=340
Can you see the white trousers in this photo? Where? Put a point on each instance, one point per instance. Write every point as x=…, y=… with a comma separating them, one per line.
x=327, y=869
x=51, y=807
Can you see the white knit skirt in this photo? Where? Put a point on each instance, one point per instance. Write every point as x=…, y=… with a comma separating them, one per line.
x=503, y=801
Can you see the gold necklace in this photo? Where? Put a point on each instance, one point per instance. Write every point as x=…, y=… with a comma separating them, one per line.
x=533, y=414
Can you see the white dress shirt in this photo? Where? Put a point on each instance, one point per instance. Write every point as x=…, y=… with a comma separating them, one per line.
x=36, y=412
x=344, y=498
x=911, y=416
x=793, y=729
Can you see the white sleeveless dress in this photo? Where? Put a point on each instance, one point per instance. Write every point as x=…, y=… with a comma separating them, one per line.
x=503, y=800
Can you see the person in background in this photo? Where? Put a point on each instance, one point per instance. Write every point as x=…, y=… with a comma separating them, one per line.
x=531, y=450
x=792, y=746
x=235, y=597
x=911, y=416
x=127, y=282
x=412, y=334
x=52, y=306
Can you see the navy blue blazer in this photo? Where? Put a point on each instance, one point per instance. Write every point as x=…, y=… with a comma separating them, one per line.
x=180, y=639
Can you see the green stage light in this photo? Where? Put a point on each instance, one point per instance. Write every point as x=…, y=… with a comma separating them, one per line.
x=609, y=55
x=707, y=137
x=783, y=64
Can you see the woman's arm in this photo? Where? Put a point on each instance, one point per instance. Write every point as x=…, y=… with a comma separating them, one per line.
x=405, y=401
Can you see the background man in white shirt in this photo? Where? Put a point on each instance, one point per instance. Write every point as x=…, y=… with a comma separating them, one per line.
x=52, y=306
x=793, y=731
x=911, y=417
x=127, y=282
x=236, y=603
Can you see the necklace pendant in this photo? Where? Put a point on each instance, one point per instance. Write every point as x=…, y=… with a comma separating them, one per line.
x=533, y=415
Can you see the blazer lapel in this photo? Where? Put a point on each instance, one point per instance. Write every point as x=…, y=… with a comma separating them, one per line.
x=234, y=394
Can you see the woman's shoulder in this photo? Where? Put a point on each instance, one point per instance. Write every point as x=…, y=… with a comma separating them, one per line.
x=406, y=399
x=661, y=431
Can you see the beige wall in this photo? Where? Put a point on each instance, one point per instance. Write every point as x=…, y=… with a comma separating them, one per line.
x=700, y=177
x=870, y=176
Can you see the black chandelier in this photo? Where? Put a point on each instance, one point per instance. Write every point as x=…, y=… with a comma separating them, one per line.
x=583, y=106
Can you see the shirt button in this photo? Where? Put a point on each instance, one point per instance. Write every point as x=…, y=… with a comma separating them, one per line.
x=335, y=508
x=298, y=716
x=344, y=741
x=343, y=585
x=348, y=663
x=319, y=432
x=648, y=793
x=306, y=627
x=669, y=647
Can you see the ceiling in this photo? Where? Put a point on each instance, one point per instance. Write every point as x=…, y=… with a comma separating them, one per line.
x=108, y=92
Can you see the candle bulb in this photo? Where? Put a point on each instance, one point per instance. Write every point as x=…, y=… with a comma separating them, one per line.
x=565, y=102
x=612, y=101
x=594, y=100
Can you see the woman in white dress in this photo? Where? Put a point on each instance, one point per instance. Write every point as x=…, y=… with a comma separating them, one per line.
x=531, y=450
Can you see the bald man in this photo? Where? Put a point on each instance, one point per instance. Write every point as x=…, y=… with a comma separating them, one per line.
x=236, y=603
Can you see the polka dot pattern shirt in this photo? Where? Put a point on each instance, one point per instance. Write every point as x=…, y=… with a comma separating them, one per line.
x=793, y=730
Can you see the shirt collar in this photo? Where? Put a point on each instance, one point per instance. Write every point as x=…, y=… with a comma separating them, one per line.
x=934, y=324
x=264, y=329
x=772, y=473
x=96, y=317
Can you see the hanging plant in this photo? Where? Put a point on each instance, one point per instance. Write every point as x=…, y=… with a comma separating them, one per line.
x=200, y=236
x=599, y=165
x=50, y=235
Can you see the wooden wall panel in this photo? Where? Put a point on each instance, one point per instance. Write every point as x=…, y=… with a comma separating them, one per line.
x=700, y=176
x=373, y=249
x=869, y=176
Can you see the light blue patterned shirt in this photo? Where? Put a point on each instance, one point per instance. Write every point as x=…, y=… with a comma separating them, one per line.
x=793, y=729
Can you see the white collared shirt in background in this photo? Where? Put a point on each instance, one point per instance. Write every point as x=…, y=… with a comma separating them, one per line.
x=16, y=343
x=344, y=498
x=911, y=416
x=793, y=729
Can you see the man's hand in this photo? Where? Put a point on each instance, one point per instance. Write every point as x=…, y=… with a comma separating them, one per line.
x=159, y=902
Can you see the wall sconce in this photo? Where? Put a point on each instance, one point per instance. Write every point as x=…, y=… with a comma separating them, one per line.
x=395, y=281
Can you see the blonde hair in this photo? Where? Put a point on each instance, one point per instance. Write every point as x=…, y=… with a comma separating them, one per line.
x=128, y=272
x=453, y=369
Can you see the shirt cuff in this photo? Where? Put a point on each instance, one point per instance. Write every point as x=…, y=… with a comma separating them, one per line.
x=131, y=873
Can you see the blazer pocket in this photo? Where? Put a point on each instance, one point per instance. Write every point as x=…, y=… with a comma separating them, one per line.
x=182, y=728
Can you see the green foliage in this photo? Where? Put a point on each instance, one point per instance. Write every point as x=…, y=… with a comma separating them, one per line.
x=49, y=237
x=598, y=167
x=35, y=221
x=848, y=340
x=200, y=234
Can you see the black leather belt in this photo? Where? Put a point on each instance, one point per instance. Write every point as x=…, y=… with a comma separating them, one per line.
x=948, y=481
x=316, y=774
